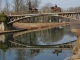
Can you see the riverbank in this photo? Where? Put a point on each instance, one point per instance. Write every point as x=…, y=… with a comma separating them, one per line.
x=34, y=26
x=11, y=31
x=31, y=26
x=76, y=48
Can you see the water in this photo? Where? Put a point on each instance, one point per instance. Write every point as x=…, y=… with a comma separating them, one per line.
x=57, y=35
x=13, y=54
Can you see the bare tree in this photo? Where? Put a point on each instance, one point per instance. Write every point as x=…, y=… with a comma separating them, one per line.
x=31, y=4
x=73, y=9
x=17, y=5
x=28, y=4
x=46, y=7
x=22, y=6
x=35, y=3
x=25, y=5
x=6, y=7
x=0, y=4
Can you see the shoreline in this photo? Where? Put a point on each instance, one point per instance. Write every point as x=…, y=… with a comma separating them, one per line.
x=35, y=26
x=76, y=48
x=32, y=26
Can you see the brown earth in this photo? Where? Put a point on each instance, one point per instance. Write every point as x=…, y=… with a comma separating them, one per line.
x=30, y=26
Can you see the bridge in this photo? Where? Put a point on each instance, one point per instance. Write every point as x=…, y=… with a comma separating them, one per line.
x=41, y=16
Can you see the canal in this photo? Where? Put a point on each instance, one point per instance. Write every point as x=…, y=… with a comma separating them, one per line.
x=13, y=46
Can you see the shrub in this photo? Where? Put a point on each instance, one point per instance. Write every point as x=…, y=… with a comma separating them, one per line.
x=2, y=17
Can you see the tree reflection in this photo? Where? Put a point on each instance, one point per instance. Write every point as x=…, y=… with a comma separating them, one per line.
x=23, y=54
x=35, y=51
x=57, y=33
x=2, y=38
x=3, y=44
x=28, y=38
x=57, y=51
x=48, y=36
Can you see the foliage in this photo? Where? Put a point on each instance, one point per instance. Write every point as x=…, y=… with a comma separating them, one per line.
x=2, y=17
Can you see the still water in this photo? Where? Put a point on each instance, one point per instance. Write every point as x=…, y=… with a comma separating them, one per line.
x=57, y=35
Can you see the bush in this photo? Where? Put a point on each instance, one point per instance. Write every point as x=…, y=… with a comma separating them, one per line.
x=2, y=17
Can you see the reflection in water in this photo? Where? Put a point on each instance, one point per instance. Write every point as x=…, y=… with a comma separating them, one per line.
x=35, y=51
x=44, y=37
x=57, y=51
x=47, y=37
x=2, y=38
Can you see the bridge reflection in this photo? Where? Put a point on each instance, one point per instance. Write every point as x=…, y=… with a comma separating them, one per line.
x=20, y=45
x=26, y=45
x=34, y=50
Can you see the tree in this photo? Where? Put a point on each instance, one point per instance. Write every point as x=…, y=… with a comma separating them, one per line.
x=18, y=5
x=7, y=7
x=73, y=9
x=35, y=3
x=46, y=7
x=32, y=4
x=0, y=4
x=25, y=5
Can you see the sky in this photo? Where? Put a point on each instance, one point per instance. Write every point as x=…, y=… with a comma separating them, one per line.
x=62, y=3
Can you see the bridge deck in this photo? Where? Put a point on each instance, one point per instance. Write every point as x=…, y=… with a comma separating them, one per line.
x=38, y=14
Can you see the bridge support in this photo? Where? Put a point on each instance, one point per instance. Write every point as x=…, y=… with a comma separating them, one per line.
x=2, y=26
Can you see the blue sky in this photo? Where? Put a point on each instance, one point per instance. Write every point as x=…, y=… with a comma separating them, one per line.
x=62, y=3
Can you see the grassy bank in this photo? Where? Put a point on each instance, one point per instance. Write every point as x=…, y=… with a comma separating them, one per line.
x=30, y=26
x=76, y=48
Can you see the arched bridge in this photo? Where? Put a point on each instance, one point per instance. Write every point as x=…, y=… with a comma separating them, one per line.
x=42, y=16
